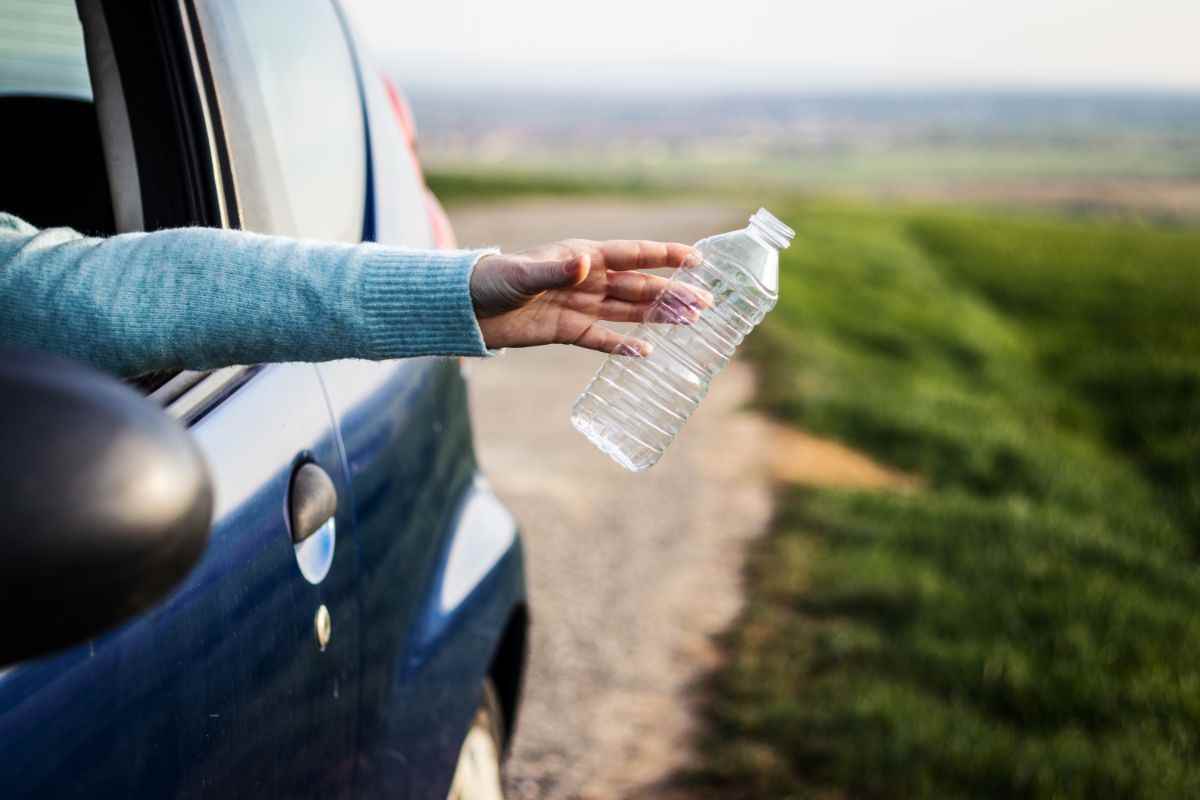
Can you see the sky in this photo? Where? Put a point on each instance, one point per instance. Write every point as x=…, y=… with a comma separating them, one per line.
x=704, y=44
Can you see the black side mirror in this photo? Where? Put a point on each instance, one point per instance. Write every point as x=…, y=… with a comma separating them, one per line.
x=106, y=503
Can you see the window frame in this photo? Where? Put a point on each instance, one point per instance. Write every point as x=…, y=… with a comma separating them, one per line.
x=175, y=130
x=162, y=72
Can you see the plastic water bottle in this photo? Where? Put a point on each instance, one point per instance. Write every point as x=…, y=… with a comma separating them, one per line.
x=636, y=404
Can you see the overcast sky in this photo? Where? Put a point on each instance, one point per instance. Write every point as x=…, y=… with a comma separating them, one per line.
x=790, y=44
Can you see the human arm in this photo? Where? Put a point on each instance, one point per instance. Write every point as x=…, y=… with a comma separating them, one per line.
x=200, y=297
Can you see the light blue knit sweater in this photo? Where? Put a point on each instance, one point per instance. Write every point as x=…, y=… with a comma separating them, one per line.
x=199, y=298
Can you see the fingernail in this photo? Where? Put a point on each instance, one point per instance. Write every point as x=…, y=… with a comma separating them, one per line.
x=626, y=349
x=634, y=349
x=674, y=310
x=693, y=259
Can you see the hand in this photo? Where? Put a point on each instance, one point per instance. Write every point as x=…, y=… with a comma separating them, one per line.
x=556, y=293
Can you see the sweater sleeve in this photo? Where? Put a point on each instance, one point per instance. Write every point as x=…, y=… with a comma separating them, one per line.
x=200, y=298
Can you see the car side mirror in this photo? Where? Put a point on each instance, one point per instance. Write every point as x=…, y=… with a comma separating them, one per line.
x=106, y=503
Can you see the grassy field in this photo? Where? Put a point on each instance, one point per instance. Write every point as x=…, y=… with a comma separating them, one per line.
x=1029, y=623
x=482, y=185
x=725, y=167
x=1168, y=193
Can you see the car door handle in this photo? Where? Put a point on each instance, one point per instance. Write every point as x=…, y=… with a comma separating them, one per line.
x=313, y=501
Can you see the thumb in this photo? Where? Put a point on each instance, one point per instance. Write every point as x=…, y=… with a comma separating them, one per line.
x=538, y=276
x=501, y=283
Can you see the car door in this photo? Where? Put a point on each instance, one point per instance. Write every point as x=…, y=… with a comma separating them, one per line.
x=244, y=682
x=439, y=572
x=226, y=688
x=317, y=153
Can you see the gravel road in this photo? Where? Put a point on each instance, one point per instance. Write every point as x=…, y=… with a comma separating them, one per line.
x=630, y=575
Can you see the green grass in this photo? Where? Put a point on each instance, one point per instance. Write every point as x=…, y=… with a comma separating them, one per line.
x=730, y=167
x=1028, y=624
x=463, y=185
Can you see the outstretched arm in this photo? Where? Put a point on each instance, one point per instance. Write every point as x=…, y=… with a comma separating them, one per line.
x=201, y=297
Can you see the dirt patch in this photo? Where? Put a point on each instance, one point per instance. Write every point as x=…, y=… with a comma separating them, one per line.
x=801, y=458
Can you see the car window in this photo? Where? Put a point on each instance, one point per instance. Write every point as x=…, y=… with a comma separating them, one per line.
x=289, y=103
x=50, y=120
x=41, y=49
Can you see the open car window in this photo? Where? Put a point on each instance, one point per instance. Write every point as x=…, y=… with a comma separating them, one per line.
x=55, y=174
x=80, y=156
x=41, y=50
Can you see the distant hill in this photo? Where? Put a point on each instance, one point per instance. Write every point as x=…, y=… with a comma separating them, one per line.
x=891, y=115
x=1084, y=150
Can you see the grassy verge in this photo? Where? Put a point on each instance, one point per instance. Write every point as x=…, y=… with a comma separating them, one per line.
x=454, y=186
x=1029, y=624
x=730, y=167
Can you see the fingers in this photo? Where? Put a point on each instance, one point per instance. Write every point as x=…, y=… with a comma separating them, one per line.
x=609, y=341
x=623, y=254
x=671, y=314
x=638, y=287
x=673, y=309
x=621, y=311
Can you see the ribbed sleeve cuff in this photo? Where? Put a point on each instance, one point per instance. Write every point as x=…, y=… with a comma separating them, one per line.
x=418, y=303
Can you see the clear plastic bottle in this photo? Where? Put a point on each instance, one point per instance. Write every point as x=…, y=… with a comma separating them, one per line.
x=635, y=405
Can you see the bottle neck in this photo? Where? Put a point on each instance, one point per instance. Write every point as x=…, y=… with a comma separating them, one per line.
x=769, y=230
x=757, y=235
x=763, y=270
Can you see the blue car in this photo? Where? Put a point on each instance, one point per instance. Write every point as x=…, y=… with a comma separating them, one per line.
x=355, y=625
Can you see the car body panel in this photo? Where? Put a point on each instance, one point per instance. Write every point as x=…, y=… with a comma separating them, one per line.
x=398, y=213
x=441, y=566
x=222, y=688
x=423, y=514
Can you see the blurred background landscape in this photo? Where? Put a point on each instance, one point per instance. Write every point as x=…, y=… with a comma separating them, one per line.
x=993, y=294
x=1079, y=151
